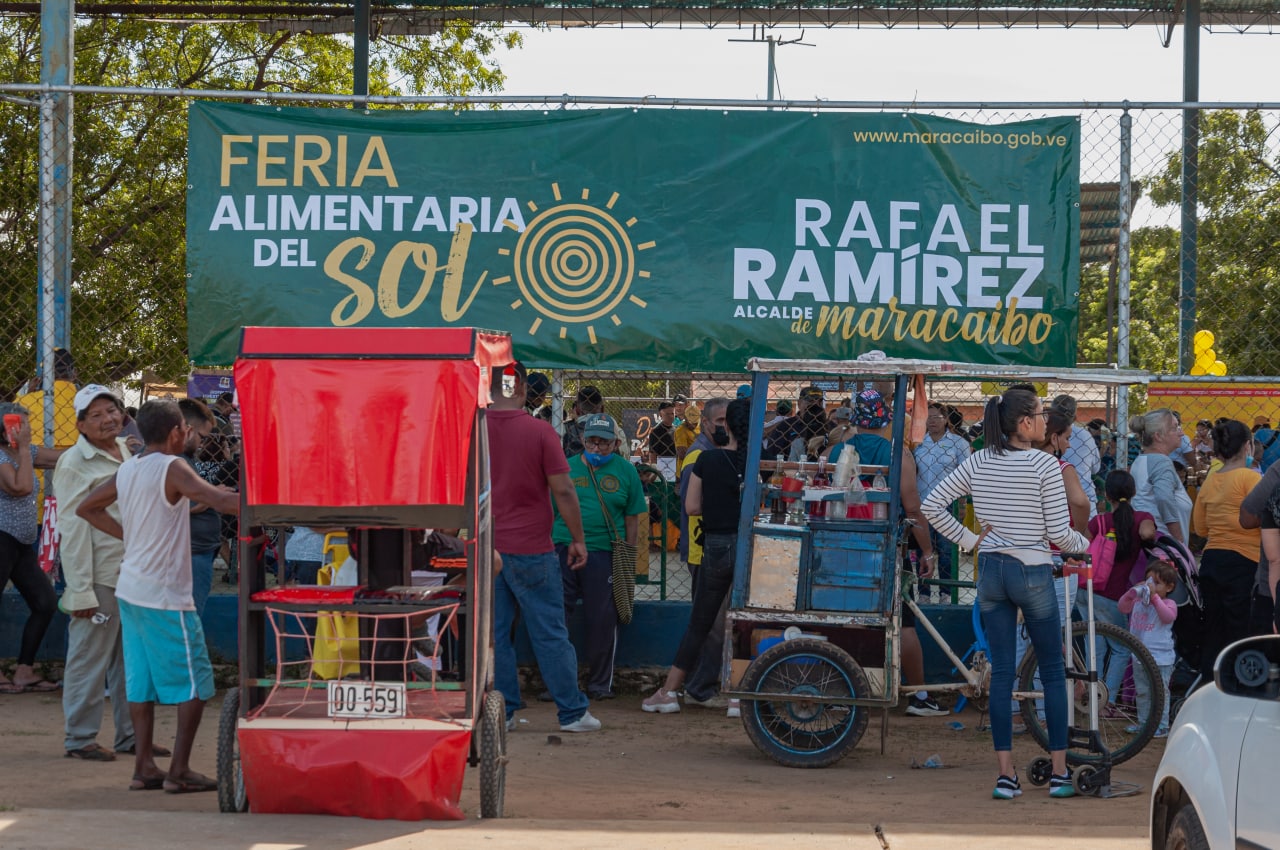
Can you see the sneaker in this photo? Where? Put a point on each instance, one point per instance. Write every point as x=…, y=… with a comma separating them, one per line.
x=1007, y=788
x=926, y=707
x=662, y=702
x=714, y=701
x=585, y=723
x=511, y=724
x=1133, y=729
x=1162, y=732
x=734, y=709
x=1060, y=785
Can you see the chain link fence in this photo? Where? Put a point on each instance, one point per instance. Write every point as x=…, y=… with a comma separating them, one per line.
x=122, y=316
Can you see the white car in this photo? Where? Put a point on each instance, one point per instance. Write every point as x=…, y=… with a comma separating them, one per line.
x=1213, y=787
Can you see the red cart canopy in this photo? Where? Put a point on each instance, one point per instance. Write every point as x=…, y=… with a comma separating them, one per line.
x=350, y=418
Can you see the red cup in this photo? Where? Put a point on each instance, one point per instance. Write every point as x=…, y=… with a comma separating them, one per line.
x=12, y=425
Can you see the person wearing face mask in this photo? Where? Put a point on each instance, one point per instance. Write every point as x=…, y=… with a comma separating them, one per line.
x=611, y=497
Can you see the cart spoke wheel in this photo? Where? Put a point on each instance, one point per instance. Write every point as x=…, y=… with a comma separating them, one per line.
x=231, y=791
x=1120, y=728
x=493, y=755
x=791, y=720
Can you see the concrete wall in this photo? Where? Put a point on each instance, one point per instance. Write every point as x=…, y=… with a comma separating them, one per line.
x=649, y=641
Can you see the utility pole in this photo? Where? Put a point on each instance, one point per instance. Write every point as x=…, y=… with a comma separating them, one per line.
x=759, y=36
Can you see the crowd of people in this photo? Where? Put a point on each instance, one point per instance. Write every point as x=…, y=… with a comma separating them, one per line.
x=140, y=533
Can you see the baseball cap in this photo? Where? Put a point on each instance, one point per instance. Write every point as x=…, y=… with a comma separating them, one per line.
x=744, y=391
x=870, y=410
x=680, y=398
x=599, y=425
x=91, y=393
x=811, y=392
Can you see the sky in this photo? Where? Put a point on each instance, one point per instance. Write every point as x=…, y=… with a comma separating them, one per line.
x=900, y=64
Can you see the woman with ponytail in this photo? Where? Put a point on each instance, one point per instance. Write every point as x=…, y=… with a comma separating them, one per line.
x=1020, y=501
x=715, y=494
x=1130, y=528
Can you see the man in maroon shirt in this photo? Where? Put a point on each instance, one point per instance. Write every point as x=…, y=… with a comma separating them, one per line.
x=526, y=461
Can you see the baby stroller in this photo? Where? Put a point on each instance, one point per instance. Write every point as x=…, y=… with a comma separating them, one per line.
x=1188, y=629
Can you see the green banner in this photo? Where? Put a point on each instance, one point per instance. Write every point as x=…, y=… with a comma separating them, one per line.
x=640, y=239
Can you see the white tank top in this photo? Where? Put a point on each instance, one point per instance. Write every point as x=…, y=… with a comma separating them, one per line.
x=156, y=570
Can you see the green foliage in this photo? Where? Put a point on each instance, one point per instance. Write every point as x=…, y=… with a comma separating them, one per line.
x=1238, y=277
x=129, y=184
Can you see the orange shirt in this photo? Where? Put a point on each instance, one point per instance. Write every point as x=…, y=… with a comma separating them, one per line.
x=1216, y=514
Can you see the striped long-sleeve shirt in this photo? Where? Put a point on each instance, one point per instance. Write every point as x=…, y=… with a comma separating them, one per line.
x=1019, y=494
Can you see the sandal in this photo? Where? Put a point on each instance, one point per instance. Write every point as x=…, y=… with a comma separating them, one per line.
x=93, y=752
x=39, y=686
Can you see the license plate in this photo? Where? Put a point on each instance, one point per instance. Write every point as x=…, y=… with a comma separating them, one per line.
x=366, y=699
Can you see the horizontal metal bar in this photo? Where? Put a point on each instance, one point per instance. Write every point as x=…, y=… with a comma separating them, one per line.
x=560, y=100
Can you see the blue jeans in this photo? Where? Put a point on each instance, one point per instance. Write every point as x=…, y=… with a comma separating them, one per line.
x=1108, y=611
x=202, y=578
x=1142, y=692
x=531, y=585
x=1006, y=585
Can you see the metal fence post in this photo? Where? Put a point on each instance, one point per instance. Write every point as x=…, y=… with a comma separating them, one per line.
x=1190, y=194
x=53, y=329
x=1122, y=287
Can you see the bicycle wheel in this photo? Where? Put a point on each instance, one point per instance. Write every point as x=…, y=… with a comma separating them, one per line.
x=1122, y=732
x=790, y=722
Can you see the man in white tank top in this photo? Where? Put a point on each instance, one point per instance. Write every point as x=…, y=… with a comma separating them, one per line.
x=165, y=657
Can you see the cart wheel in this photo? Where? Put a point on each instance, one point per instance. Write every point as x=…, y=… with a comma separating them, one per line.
x=231, y=793
x=493, y=755
x=1040, y=771
x=1083, y=778
x=789, y=721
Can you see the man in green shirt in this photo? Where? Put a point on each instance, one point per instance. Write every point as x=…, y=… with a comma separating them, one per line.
x=613, y=504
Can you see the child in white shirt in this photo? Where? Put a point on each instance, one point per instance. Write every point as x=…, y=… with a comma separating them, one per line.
x=1151, y=615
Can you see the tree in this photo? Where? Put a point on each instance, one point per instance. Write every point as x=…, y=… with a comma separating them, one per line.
x=1238, y=268
x=128, y=311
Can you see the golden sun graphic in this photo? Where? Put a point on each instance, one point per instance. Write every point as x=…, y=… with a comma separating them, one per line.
x=575, y=263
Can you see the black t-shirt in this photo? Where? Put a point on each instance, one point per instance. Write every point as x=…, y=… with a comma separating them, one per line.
x=662, y=440
x=206, y=526
x=721, y=472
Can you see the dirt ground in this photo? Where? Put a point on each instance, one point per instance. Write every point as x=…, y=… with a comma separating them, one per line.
x=697, y=767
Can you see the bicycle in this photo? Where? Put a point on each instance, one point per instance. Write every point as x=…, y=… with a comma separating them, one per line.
x=1117, y=742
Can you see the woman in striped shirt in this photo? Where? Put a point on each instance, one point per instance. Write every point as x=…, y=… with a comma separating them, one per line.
x=1020, y=501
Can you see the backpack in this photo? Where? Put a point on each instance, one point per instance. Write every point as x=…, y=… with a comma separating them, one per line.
x=1102, y=549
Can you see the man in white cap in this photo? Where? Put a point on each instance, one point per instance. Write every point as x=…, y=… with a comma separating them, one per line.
x=91, y=567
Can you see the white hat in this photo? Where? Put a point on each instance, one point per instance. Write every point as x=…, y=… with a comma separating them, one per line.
x=91, y=393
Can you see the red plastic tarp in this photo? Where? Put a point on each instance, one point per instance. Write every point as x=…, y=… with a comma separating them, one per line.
x=352, y=417
x=397, y=774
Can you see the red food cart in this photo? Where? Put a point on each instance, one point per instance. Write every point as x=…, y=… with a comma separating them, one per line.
x=379, y=431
